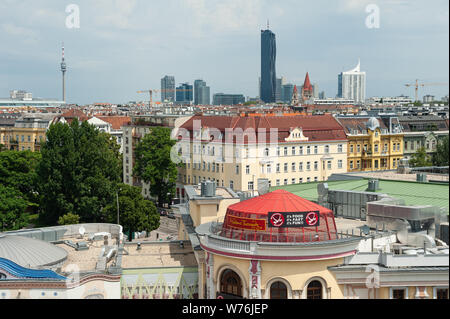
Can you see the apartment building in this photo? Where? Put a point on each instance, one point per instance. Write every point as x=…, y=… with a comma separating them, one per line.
x=281, y=150
x=28, y=132
x=373, y=143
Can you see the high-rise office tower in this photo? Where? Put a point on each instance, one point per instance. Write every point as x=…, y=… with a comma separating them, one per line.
x=202, y=93
x=168, y=89
x=352, y=85
x=287, y=92
x=63, y=70
x=268, y=69
x=280, y=82
x=185, y=93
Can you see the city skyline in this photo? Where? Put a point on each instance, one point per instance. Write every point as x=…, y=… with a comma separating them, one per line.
x=217, y=47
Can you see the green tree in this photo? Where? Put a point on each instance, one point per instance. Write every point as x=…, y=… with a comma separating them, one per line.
x=69, y=219
x=420, y=158
x=135, y=213
x=12, y=209
x=440, y=158
x=154, y=165
x=18, y=171
x=78, y=173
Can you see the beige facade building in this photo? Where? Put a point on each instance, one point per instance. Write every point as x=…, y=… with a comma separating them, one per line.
x=239, y=152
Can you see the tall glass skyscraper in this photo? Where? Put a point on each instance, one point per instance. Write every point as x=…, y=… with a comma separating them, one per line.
x=168, y=89
x=268, y=70
x=202, y=93
x=185, y=93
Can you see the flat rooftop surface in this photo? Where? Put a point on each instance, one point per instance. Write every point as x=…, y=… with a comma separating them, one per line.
x=154, y=255
x=393, y=175
x=412, y=193
x=86, y=260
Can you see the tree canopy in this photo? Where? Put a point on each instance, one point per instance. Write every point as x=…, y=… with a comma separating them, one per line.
x=154, y=165
x=18, y=171
x=12, y=209
x=135, y=213
x=78, y=173
x=420, y=158
x=440, y=158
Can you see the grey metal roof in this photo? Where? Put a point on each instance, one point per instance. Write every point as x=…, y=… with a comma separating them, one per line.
x=29, y=252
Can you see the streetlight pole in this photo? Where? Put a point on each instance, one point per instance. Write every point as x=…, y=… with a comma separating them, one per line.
x=117, y=197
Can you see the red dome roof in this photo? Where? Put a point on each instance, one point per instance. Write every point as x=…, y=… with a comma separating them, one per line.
x=280, y=201
x=254, y=220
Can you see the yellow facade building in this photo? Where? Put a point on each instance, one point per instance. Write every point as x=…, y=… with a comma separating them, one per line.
x=373, y=144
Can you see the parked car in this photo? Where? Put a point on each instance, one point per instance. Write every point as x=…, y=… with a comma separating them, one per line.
x=171, y=215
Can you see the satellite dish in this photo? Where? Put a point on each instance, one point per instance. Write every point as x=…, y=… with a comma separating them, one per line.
x=82, y=231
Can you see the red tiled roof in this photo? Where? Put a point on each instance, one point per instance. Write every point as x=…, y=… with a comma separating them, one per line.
x=74, y=113
x=316, y=128
x=116, y=121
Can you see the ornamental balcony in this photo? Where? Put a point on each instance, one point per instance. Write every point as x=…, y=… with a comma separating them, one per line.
x=315, y=247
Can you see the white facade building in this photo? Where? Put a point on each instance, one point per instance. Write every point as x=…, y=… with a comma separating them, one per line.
x=352, y=85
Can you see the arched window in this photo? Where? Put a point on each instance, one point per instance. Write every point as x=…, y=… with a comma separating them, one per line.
x=314, y=290
x=230, y=283
x=278, y=290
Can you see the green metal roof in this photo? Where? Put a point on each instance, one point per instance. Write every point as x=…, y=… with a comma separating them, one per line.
x=412, y=193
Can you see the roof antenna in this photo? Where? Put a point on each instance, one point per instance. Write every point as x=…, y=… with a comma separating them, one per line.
x=268, y=28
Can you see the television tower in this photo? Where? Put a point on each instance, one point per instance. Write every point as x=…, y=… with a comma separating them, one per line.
x=63, y=70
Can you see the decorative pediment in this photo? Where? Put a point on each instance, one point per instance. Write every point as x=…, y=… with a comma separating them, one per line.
x=296, y=135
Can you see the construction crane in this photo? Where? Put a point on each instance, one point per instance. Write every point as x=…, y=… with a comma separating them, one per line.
x=156, y=91
x=417, y=85
x=151, y=95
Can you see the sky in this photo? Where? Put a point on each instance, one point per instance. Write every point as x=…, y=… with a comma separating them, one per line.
x=123, y=46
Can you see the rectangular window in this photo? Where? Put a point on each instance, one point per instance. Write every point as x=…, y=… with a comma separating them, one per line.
x=231, y=184
x=398, y=294
x=327, y=149
x=358, y=148
x=237, y=169
x=329, y=164
x=308, y=166
x=316, y=166
x=316, y=150
x=278, y=168
x=293, y=150
x=285, y=181
x=351, y=148
x=300, y=167
x=316, y=179
x=351, y=164
x=294, y=167
x=340, y=148
x=301, y=150
x=358, y=164
x=340, y=164
x=285, y=167
x=285, y=151
x=308, y=150
x=300, y=181
x=376, y=148
x=308, y=180
x=294, y=181
x=442, y=293
x=278, y=151
x=278, y=182
x=269, y=169
x=247, y=170
x=29, y=138
x=250, y=186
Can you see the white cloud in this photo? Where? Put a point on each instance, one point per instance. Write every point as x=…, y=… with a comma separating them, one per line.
x=115, y=13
